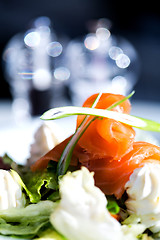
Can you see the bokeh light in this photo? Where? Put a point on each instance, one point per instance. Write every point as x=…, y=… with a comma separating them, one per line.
x=42, y=79
x=42, y=21
x=32, y=39
x=122, y=61
x=91, y=42
x=114, y=52
x=119, y=83
x=103, y=34
x=54, y=49
x=61, y=73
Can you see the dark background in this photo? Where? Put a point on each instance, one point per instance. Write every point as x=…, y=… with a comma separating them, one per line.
x=137, y=21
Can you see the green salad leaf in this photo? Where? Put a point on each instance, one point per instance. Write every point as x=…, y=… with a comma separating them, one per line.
x=38, y=184
x=50, y=234
x=26, y=222
x=7, y=160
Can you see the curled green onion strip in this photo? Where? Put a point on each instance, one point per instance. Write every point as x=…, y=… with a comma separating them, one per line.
x=65, y=158
x=137, y=122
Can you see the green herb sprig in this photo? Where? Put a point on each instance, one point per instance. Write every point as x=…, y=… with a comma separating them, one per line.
x=137, y=122
x=65, y=158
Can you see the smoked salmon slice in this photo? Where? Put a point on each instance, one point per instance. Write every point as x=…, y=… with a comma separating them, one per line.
x=111, y=176
x=107, y=137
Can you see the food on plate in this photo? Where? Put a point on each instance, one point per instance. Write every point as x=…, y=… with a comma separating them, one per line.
x=45, y=138
x=99, y=183
x=10, y=191
x=111, y=176
x=107, y=138
x=144, y=200
x=82, y=212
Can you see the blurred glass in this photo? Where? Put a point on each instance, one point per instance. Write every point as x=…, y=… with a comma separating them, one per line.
x=33, y=67
x=101, y=61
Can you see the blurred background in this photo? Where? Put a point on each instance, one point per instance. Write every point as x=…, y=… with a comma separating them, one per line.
x=58, y=52
x=133, y=26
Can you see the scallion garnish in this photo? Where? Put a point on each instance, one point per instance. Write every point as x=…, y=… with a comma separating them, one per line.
x=65, y=158
x=112, y=206
x=138, y=122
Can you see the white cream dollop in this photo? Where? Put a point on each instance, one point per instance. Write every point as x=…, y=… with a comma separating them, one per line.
x=10, y=191
x=143, y=189
x=46, y=137
x=82, y=213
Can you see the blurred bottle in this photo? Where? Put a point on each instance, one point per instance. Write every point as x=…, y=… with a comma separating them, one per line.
x=31, y=59
x=101, y=61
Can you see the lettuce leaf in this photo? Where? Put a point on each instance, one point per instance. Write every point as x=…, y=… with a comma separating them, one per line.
x=37, y=185
x=40, y=184
x=26, y=222
x=50, y=234
x=5, y=163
